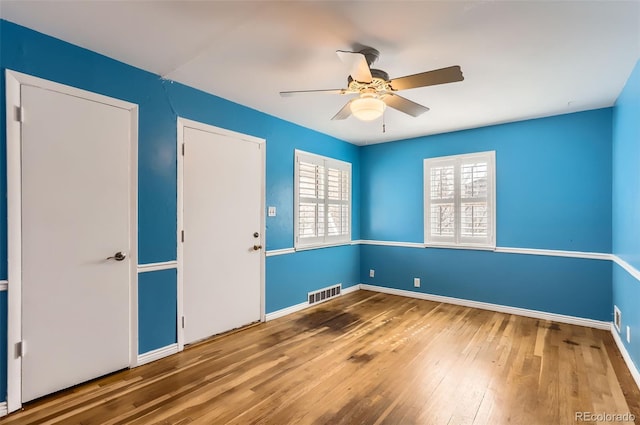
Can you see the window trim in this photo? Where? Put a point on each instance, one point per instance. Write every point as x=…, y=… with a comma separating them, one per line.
x=458, y=241
x=319, y=241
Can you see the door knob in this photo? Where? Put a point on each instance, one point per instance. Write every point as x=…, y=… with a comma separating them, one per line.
x=118, y=256
x=256, y=235
x=257, y=247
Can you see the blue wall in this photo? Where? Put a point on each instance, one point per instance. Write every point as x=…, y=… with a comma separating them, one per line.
x=553, y=191
x=293, y=276
x=3, y=345
x=626, y=208
x=157, y=309
x=160, y=102
x=553, y=182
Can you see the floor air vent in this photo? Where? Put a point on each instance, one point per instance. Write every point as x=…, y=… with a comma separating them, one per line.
x=325, y=294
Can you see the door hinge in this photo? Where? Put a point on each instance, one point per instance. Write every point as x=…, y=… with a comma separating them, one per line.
x=19, y=113
x=182, y=235
x=182, y=322
x=20, y=349
x=183, y=149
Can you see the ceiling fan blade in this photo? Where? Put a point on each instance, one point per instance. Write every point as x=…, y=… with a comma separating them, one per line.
x=295, y=92
x=429, y=78
x=404, y=105
x=343, y=113
x=358, y=66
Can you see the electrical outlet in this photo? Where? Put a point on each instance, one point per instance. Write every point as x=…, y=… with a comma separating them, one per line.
x=372, y=273
x=629, y=334
x=416, y=282
x=271, y=211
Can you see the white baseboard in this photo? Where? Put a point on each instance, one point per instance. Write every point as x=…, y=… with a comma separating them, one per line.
x=572, y=320
x=285, y=311
x=625, y=355
x=3, y=409
x=294, y=308
x=151, y=356
x=561, y=318
x=351, y=289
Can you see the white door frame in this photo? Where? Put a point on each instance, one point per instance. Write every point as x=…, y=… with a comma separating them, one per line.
x=15, y=114
x=182, y=123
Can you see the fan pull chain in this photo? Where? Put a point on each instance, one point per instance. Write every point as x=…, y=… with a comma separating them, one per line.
x=384, y=127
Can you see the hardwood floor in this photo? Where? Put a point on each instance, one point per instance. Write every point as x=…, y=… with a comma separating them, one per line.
x=365, y=358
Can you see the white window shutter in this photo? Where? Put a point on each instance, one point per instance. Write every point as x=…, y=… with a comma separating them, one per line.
x=460, y=200
x=322, y=201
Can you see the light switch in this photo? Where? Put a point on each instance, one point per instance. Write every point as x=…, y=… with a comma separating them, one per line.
x=271, y=212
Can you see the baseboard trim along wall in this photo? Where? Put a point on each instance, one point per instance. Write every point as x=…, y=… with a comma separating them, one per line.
x=3, y=409
x=295, y=308
x=572, y=320
x=157, y=354
x=286, y=311
x=561, y=318
x=625, y=355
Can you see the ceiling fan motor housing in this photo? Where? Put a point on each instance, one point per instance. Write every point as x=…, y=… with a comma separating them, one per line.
x=379, y=83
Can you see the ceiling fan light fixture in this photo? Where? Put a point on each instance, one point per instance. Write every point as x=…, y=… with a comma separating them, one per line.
x=367, y=107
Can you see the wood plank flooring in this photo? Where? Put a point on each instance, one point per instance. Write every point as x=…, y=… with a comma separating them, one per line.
x=365, y=358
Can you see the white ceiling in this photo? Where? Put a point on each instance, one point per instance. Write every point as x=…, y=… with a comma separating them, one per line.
x=520, y=59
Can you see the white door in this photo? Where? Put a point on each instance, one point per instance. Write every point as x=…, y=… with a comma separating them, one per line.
x=222, y=215
x=75, y=214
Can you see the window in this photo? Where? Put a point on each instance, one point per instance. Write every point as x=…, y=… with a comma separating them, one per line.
x=322, y=201
x=459, y=200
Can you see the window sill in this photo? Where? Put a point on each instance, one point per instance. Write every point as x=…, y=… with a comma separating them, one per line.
x=461, y=246
x=320, y=246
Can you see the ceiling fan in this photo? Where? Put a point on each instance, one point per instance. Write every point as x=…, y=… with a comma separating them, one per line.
x=376, y=91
